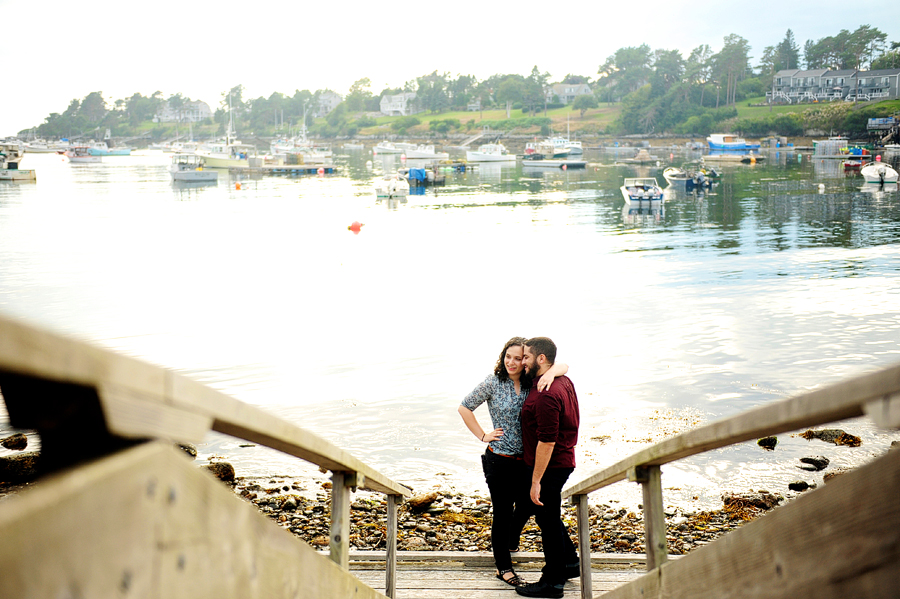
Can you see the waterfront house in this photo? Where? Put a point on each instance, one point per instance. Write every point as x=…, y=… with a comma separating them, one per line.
x=327, y=101
x=793, y=85
x=398, y=104
x=567, y=92
x=192, y=111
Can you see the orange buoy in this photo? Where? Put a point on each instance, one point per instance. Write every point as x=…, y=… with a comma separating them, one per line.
x=237, y=185
x=320, y=171
x=565, y=168
x=355, y=226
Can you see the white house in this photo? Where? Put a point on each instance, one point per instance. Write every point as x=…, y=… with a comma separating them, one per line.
x=567, y=92
x=819, y=85
x=399, y=104
x=192, y=111
x=328, y=101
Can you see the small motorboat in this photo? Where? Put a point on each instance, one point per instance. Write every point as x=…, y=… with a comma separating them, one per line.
x=79, y=154
x=853, y=165
x=691, y=180
x=490, y=153
x=189, y=167
x=641, y=189
x=879, y=172
x=391, y=186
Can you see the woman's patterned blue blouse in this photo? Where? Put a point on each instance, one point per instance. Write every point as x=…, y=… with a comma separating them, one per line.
x=505, y=408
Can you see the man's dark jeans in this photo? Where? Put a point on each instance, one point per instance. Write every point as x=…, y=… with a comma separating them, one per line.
x=509, y=481
x=559, y=550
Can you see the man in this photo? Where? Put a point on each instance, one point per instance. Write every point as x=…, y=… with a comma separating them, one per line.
x=549, y=433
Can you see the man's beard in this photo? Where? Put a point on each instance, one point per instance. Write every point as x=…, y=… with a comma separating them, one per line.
x=532, y=370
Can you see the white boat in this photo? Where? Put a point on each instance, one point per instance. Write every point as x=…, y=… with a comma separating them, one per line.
x=386, y=147
x=879, y=172
x=391, y=186
x=189, y=167
x=81, y=154
x=45, y=147
x=426, y=152
x=727, y=141
x=561, y=144
x=490, y=153
x=641, y=189
x=11, y=154
x=690, y=180
x=101, y=148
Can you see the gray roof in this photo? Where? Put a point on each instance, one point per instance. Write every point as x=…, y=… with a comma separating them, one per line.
x=879, y=73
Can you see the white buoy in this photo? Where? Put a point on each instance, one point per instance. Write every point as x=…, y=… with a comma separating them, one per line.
x=821, y=188
x=369, y=164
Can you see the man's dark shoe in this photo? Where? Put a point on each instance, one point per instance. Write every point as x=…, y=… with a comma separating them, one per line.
x=573, y=571
x=541, y=589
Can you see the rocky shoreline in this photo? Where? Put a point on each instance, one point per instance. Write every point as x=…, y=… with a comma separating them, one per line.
x=456, y=522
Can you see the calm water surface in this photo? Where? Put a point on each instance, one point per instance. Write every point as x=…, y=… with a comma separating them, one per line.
x=760, y=289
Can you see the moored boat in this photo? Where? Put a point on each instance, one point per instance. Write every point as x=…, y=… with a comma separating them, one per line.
x=81, y=154
x=727, y=141
x=11, y=154
x=386, y=147
x=189, y=167
x=879, y=172
x=490, y=153
x=691, y=180
x=641, y=189
x=426, y=152
x=391, y=186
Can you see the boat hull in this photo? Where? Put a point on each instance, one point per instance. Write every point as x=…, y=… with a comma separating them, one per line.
x=195, y=176
x=213, y=161
x=482, y=157
x=14, y=174
x=879, y=173
x=110, y=152
x=732, y=146
x=85, y=159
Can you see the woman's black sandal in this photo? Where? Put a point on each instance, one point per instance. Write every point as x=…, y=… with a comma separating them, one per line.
x=513, y=581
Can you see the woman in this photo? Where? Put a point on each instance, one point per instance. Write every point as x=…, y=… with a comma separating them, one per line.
x=507, y=476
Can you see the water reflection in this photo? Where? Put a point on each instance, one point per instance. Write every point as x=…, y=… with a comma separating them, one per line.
x=643, y=213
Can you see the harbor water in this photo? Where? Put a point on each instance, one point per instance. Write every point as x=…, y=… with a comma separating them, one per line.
x=783, y=278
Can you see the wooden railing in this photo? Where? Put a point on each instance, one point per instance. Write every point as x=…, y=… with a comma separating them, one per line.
x=107, y=424
x=842, y=540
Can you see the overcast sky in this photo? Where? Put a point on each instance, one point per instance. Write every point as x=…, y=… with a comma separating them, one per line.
x=57, y=50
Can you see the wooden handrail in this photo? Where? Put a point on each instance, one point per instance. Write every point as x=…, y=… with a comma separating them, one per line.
x=135, y=394
x=871, y=394
x=62, y=388
x=876, y=394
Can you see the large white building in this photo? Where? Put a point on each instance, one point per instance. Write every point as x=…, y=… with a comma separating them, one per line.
x=192, y=111
x=328, y=101
x=567, y=92
x=399, y=104
x=793, y=85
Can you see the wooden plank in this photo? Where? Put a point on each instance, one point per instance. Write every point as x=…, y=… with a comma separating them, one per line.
x=477, y=559
x=829, y=404
x=885, y=412
x=583, y=514
x=145, y=401
x=339, y=539
x=838, y=541
x=390, y=570
x=147, y=523
x=654, y=518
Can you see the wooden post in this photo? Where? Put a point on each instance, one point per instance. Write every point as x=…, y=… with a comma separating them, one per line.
x=584, y=543
x=390, y=563
x=339, y=542
x=654, y=517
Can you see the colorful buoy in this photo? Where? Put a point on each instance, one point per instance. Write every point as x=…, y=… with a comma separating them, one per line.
x=355, y=226
x=237, y=185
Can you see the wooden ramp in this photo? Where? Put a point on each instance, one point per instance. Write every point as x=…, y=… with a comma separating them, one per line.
x=459, y=575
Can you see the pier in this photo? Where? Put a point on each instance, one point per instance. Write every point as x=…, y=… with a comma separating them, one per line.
x=127, y=515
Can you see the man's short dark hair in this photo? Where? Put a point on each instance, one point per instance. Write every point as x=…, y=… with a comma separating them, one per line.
x=543, y=345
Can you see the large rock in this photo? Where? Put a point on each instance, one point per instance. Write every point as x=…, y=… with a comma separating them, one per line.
x=17, y=442
x=768, y=443
x=221, y=470
x=420, y=503
x=833, y=435
x=19, y=468
x=816, y=463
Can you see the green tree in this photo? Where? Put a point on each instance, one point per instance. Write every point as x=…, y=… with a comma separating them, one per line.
x=431, y=93
x=731, y=65
x=93, y=107
x=698, y=70
x=585, y=103
x=626, y=70
x=359, y=95
x=668, y=69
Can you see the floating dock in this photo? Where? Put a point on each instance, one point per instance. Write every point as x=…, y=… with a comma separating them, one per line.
x=556, y=163
x=288, y=169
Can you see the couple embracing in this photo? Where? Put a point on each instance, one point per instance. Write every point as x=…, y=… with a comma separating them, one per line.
x=530, y=455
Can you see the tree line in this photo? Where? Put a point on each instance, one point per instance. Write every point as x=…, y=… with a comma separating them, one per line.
x=658, y=90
